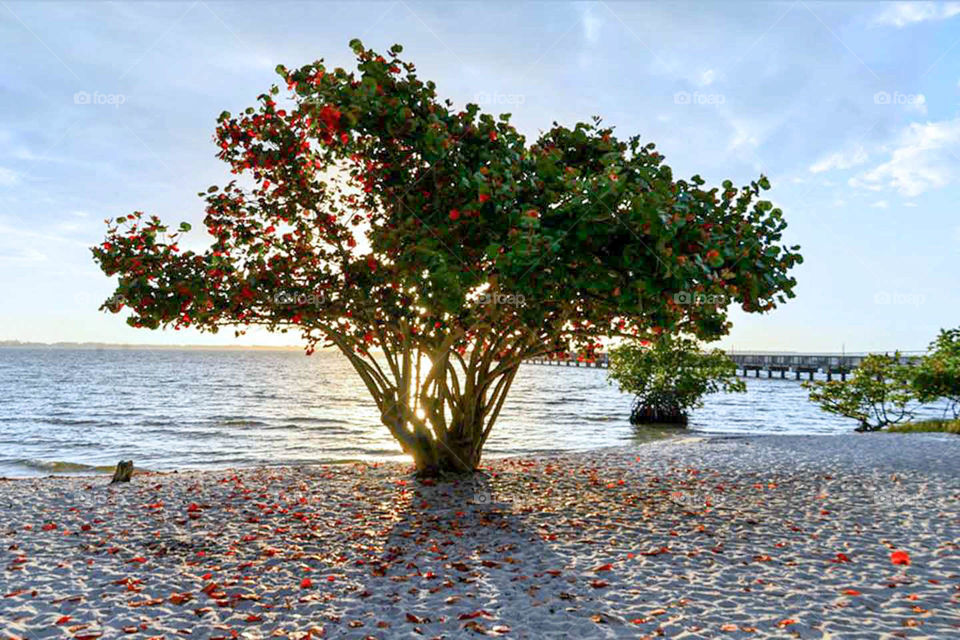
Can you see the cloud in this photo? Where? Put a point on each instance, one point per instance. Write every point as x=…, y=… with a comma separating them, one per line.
x=902, y=14
x=926, y=156
x=880, y=204
x=840, y=160
x=21, y=255
x=8, y=178
x=591, y=26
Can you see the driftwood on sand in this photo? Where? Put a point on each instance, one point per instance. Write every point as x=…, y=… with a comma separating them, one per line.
x=123, y=472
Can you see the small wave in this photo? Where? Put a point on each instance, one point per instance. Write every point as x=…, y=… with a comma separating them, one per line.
x=79, y=422
x=241, y=422
x=316, y=420
x=59, y=466
x=56, y=421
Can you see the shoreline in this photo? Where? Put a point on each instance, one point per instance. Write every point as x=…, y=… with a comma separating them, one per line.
x=84, y=470
x=771, y=536
x=401, y=460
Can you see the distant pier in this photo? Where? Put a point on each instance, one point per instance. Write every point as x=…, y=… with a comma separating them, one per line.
x=776, y=364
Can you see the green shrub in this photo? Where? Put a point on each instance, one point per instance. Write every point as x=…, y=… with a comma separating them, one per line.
x=669, y=376
x=938, y=375
x=879, y=394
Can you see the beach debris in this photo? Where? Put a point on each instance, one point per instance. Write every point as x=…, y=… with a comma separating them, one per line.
x=123, y=472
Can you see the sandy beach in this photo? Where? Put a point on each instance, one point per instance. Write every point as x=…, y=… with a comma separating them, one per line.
x=848, y=536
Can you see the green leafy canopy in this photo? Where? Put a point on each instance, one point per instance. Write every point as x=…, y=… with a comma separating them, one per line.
x=937, y=377
x=367, y=213
x=672, y=374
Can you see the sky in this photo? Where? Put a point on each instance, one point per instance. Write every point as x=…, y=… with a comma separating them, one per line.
x=852, y=110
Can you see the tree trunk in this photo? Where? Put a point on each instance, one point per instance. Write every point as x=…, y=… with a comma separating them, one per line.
x=451, y=454
x=642, y=414
x=440, y=421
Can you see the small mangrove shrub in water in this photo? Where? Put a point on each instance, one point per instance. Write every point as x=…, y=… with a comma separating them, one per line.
x=669, y=376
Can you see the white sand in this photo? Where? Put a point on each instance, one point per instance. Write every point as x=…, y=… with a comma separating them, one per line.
x=714, y=538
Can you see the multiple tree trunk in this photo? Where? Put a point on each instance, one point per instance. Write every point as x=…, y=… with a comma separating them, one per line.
x=439, y=404
x=645, y=414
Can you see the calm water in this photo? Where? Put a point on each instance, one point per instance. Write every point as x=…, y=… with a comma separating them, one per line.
x=69, y=410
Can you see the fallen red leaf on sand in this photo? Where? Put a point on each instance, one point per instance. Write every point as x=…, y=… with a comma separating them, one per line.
x=851, y=592
x=900, y=557
x=415, y=619
x=63, y=619
x=786, y=623
x=603, y=567
x=841, y=557
x=476, y=614
x=151, y=602
x=306, y=583
x=599, y=584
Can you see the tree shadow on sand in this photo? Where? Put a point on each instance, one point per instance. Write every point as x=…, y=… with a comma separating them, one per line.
x=466, y=558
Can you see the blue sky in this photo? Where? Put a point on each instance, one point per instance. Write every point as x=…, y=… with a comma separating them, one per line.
x=852, y=110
